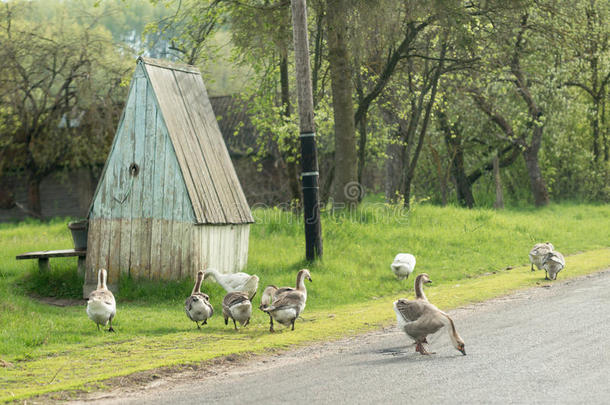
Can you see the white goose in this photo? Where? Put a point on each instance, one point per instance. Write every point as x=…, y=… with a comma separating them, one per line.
x=237, y=306
x=287, y=303
x=552, y=264
x=197, y=306
x=419, y=318
x=403, y=265
x=539, y=252
x=101, y=306
x=234, y=281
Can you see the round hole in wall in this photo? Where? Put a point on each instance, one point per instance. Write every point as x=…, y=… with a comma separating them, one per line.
x=134, y=169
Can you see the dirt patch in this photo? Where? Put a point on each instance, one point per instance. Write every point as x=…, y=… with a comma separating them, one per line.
x=59, y=302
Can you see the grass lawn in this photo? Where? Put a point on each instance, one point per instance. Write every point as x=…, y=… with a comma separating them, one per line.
x=46, y=348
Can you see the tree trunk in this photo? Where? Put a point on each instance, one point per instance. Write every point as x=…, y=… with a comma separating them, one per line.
x=440, y=174
x=499, y=203
x=595, y=128
x=539, y=191
x=453, y=140
x=361, y=149
x=410, y=168
x=34, y=195
x=463, y=186
x=393, y=170
x=345, y=190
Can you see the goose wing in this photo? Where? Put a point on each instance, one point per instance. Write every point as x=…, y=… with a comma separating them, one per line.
x=188, y=304
x=288, y=299
x=405, y=258
x=421, y=318
x=102, y=295
x=555, y=257
x=410, y=310
x=236, y=281
x=425, y=325
x=234, y=298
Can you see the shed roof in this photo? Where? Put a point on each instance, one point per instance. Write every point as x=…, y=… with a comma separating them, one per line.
x=209, y=175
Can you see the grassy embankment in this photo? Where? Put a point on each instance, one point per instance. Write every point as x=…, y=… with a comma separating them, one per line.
x=50, y=348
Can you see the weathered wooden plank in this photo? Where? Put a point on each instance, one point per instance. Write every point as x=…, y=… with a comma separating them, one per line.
x=188, y=249
x=122, y=193
x=139, y=142
x=115, y=245
x=245, y=243
x=158, y=187
x=105, y=248
x=51, y=253
x=168, y=207
x=93, y=243
x=148, y=171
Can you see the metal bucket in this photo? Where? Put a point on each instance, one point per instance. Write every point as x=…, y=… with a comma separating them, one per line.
x=79, y=231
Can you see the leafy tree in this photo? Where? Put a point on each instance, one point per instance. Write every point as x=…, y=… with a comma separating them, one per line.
x=56, y=75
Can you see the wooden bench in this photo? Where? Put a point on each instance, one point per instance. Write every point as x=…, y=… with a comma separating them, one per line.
x=44, y=256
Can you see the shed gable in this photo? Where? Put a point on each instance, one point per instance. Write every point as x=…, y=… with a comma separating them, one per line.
x=207, y=170
x=142, y=143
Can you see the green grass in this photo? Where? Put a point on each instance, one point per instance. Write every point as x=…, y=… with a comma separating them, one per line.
x=53, y=348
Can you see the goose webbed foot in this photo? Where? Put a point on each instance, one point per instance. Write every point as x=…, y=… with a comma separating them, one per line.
x=422, y=350
x=111, y=329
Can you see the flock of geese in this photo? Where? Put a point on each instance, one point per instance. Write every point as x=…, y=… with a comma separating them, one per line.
x=417, y=318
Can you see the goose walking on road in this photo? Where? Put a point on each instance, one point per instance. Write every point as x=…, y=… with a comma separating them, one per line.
x=419, y=318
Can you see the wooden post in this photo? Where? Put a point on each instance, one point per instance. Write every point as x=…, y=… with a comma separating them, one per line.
x=43, y=264
x=309, y=158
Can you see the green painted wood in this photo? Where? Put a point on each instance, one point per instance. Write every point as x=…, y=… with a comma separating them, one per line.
x=142, y=139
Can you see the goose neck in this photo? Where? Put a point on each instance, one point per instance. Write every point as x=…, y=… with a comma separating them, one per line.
x=301, y=281
x=101, y=281
x=453, y=335
x=419, y=289
x=197, y=287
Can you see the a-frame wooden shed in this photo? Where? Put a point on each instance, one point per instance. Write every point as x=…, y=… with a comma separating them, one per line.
x=168, y=202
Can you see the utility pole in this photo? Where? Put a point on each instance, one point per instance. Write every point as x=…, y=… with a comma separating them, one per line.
x=309, y=158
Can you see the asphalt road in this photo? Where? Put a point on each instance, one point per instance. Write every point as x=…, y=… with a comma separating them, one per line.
x=544, y=345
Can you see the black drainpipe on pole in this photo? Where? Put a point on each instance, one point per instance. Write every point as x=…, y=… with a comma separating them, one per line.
x=309, y=158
